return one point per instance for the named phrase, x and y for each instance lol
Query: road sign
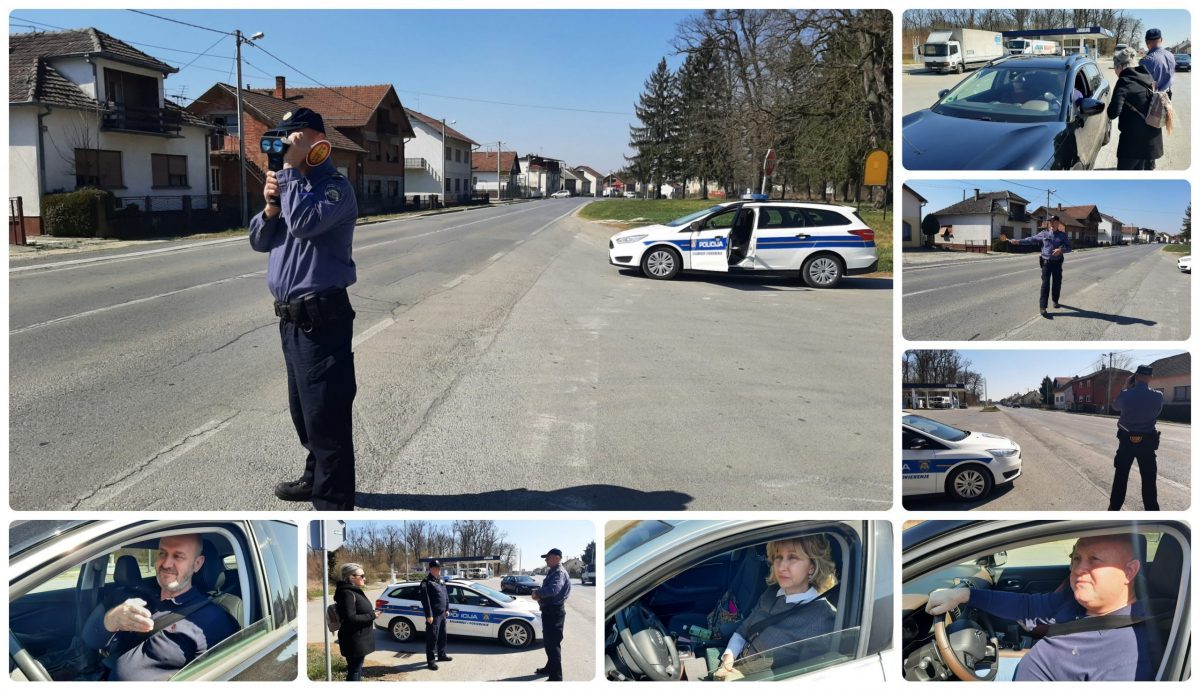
(875, 172)
(326, 534)
(769, 163)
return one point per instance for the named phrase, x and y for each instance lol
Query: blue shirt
(555, 589)
(1160, 63)
(1050, 240)
(310, 240)
(1139, 407)
(1119, 654)
(159, 656)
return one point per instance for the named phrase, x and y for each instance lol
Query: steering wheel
(644, 638)
(964, 649)
(19, 657)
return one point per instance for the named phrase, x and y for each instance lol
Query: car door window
(780, 218)
(720, 221)
(820, 217)
(1094, 78)
(276, 540)
(915, 441)
(67, 579)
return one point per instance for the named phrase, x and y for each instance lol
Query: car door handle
(803, 236)
(1010, 584)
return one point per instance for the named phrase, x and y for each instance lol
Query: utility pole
(499, 148)
(239, 40)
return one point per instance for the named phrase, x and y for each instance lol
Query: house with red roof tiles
(440, 160)
(487, 167)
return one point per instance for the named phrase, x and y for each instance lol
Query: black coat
(356, 637)
(435, 601)
(1131, 101)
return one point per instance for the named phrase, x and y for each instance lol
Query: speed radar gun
(276, 142)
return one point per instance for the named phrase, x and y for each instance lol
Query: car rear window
(824, 216)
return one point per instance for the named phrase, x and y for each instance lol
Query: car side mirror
(1090, 106)
(942, 93)
(918, 443)
(693, 226)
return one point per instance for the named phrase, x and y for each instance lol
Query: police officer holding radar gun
(435, 603)
(1055, 243)
(308, 227)
(552, 599)
(1137, 439)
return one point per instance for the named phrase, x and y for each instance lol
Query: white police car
(820, 241)
(966, 465)
(475, 610)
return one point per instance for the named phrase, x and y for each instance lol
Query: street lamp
(241, 125)
(444, 157)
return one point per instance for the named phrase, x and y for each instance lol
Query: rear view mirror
(942, 93)
(1090, 106)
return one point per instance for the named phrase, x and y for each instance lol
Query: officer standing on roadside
(552, 599)
(1055, 242)
(1159, 62)
(308, 228)
(1137, 439)
(435, 603)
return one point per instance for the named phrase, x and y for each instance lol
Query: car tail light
(866, 235)
(380, 603)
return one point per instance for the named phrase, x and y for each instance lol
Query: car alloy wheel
(822, 271)
(401, 629)
(969, 484)
(661, 263)
(516, 634)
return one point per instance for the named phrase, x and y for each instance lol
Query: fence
(151, 216)
(16, 221)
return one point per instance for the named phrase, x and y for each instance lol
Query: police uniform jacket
(309, 242)
(1130, 102)
(1139, 407)
(356, 637)
(157, 657)
(555, 589)
(434, 599)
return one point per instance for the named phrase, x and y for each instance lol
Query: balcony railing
(415, 163)
(136, 119)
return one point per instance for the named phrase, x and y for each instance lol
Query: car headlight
(1003, 452)
(630, 238)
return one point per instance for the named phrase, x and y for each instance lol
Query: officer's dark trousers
(321, 389)
(1051, 274)
(553, 618)
(435, 638)
(1136, 164)
(354, 666)
(1147, 460)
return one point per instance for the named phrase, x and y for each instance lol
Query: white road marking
(495, 256)
(141, 300)
(371, 332)
(78, 263)
(456, 282)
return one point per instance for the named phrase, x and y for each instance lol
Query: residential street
(477, 659)
(1109, 293)
(1067, 461)
(502, 364)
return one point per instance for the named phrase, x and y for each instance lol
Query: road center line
(79, 263)
(141, 300)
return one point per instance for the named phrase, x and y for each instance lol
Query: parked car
(475, 611)
(588, 577)
(561, 194)
(63, 572)
(1185, 263)
(1183, 62)
(517, 584)
(1032, 557)
(819, 242)
(664, 577)
(630, 195)
(1022, 112)
(966, 465)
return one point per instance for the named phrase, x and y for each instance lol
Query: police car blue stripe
(941, 465)
(806, 244)
(461, 615)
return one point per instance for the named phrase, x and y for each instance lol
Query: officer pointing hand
(131, 615)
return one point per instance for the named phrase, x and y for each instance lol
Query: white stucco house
(593, 182)
(973, 223)
(911, 204)
(539, 176)
(485, 168)
(87, 109)
(437, 160)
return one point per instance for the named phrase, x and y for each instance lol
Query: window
(457, 154)
(227, 120)
(214, 180)
(1182, 394)
(456, 181)
(169, 171)
(721, 220)
(277, 544)
(820, 216)
(780, 217)
(393, 188)
(907, 231)
(447, 153)
(98, 168)
(373, 150)
(393, 153)
(374, 187)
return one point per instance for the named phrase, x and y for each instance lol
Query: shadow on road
(1101, 316)
(586, 497)
(769, 283)
(943, 502)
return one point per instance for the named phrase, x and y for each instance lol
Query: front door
(918, 465)
(710, 242)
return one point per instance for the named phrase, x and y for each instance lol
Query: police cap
(435, 564)
(301, 118)
(552, 552)
(1153, 35)
(1145, 370)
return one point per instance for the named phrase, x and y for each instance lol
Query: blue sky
(1019, 371)
(536, 59)
(533, 537)
(1157, 204)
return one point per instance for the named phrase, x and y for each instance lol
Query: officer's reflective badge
(924, 467)
(332, 195)
(287, 116)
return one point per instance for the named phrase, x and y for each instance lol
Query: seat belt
(159, 625)
(1109, 622)
(754, 630)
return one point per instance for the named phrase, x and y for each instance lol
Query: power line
(297, 71)
(214, 45)
(176, 21)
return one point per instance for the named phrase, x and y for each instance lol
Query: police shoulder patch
(332, 195)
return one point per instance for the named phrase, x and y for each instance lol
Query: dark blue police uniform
(138, 656)
(1051, 265)
(435, 603)
(1137, 439)
(552, 599)
(308, 270)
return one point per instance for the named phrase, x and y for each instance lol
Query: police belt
(1137, 437)
(316, 308)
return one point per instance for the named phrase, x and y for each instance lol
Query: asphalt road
(1067, 461)
(1109, 293)
(502, 364)
(477, 659)
(921, 87)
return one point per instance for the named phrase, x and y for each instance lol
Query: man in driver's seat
(152, 640)
(1101, 584)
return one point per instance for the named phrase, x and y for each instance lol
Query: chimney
(977, 193)
(281, 88)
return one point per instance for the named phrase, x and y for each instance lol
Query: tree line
(815, 85)
(1125, 28)
(940, 366)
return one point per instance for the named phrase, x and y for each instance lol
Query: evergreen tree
(1185, 232)
(656, 141)
(703, 105)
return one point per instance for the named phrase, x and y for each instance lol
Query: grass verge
(1178, 248)
(316, 663)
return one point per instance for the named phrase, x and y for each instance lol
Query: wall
(23, 157)
(911, 213)
(975, 227)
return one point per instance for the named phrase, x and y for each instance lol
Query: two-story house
(975, 222)
(1173, 378)
(910, 217)
(1096, 391)
(540, 176)
(487, 167)
(260, 112)
(1082, 222)
(593, 182)
(87, 109)
(439, 162)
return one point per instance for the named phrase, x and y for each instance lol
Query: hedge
(85, 212)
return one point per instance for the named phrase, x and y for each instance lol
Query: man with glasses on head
(552, 599)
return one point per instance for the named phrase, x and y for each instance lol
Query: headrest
(212, 570)
(127, 572)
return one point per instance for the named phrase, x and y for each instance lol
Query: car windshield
(934, 50)
(630, 535)
(1007, 94)
(692, 216)
(929, 426)
(498, 596)
(26, 534)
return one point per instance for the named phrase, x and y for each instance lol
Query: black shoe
(1056, 306)
(1045, 314)
(542, 671)
(294, 491)
(432, 666)
(445, 658)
